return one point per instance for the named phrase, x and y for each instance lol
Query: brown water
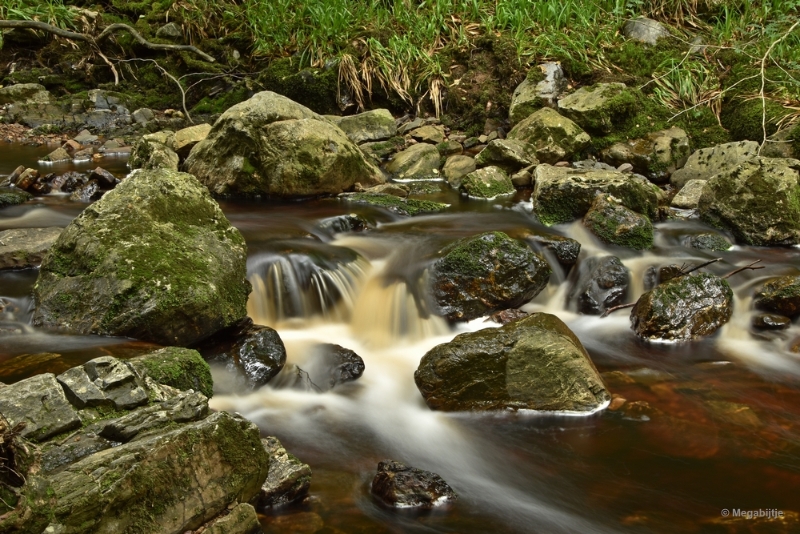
(720, 430)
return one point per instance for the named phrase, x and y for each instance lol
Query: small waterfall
(298, 280)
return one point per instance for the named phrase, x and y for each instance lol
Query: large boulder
(562, 195)
(508, 154)
(535, 363)
(270, 145)
(597, 108)
(541, 87)
(155, 259)
(780, 295)
(24, 93)
(683, 308)
(553, 136)
(758, 201)
(400, 486)
(176, 367)
(706, 162)
(168, 483)
(599, 283)
(23, 248)
(655, 156)
(417, 162)
(484, 273)
(615, 224)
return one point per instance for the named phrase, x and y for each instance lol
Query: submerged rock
(601, 284)
(535, 363)
(707, 241)
(288, 479)
(757, 201)
(683, 308)
(771, 321)
(615, 224)
(400, 486)
(562, 195)
(270, 145)
(254, 353)
(484, 273)
(155, 259)
(401, 206)
(24, 248)
(553, 136)
(334, 365)
(780, 295)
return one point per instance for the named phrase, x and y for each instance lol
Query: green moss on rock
(180, 368)
(402, 206)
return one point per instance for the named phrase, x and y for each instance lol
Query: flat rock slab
(24, 248)
(40, 403)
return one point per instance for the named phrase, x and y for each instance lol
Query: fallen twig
(696, 267)
(619, 307)
(748, 267)
(171, 77)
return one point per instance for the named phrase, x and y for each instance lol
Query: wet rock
(450, 148)
(644, 30)
(417, 162)
(293, 377)
(219, 460)
(487, 183)
(39, 402)
(706, 162)
(683, 308)
(708, 241)
(334, 365)
(654, 276)
(176, 367)
(24, 93)
(104, 381)
(242, 519)
(270, 145)
(373, 125)
(59, 154)
(400, 486)
(508, 154)
(72, 449)
(25, 247)
(342, 224)
(533, 92)
(185, 140)
(780, 295)
(70, 181)
(71, 146)
(143, 115)
(615, 224)
(535, 363)
(105, 179)
(689, 196)
(508, 316)
(597, 108)
(655, 156)
(769, 321)
(12, 197)
(456, 167)
(123, 268)
(401, 206)
(562, 194)
(87, 192)
(254, 353)
(392, 188)
(487, 272)
(151, 154)
(756, 201)
(565, 249)
(288, 479)
(553, 136)
(600, 283)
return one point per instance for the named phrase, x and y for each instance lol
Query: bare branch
(153, 46)
(620, 307)
(170, 76)
(696, 267)
(748, 267)
(36, 25)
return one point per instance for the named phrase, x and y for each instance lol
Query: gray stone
(85, 137)
(184, 140)
(597, 108)
(170, 31)
(417, 162)
(39, 402)
(553, 136)
(530, 95)
(79, 388)
(509, 154)
(535, 363)
(24, 248)
(116, 381)
(373, 125)
(655, 156)
(644, 30)
(689, 195)
(185, 407)
(56, 155)
(757, 201)
(429, 134)
(411, 125)
(288, 479)
(706, 162)
(143, 115)
(487, 183)
(456, 167)
(523, 177)
(242, 519)
(24, 93)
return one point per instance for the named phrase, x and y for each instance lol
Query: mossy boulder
(598, 108)
(683, 308)
(706, 162)
(541, 87)
(180, 368)
(707, 241)
(562, 195)
(13, 196)
(154, 259)
(758, 201)
(655, 156)
(373, 125)
(484, 273)
(456, 168)
(598, 284)
(417, 162)
(553, 136)
(535, 363)
(780, 295)
(487, 183)
(508, 154)
(270, 145)
(24, 93)
(152, 152)
(399, 205)
(615, 224)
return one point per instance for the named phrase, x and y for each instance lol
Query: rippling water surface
(722, 430)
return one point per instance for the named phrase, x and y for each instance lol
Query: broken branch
(748, 267)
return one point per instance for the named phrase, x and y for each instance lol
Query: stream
(721, 430)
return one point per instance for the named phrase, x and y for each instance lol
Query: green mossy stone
(402, 206)
(781, 295)
(487, 183)
(177, 367)
(12, 197)
(617, 225)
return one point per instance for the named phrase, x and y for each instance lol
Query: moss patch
(180, 368)
(403, 206)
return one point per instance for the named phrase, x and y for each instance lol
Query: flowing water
(722, 430)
